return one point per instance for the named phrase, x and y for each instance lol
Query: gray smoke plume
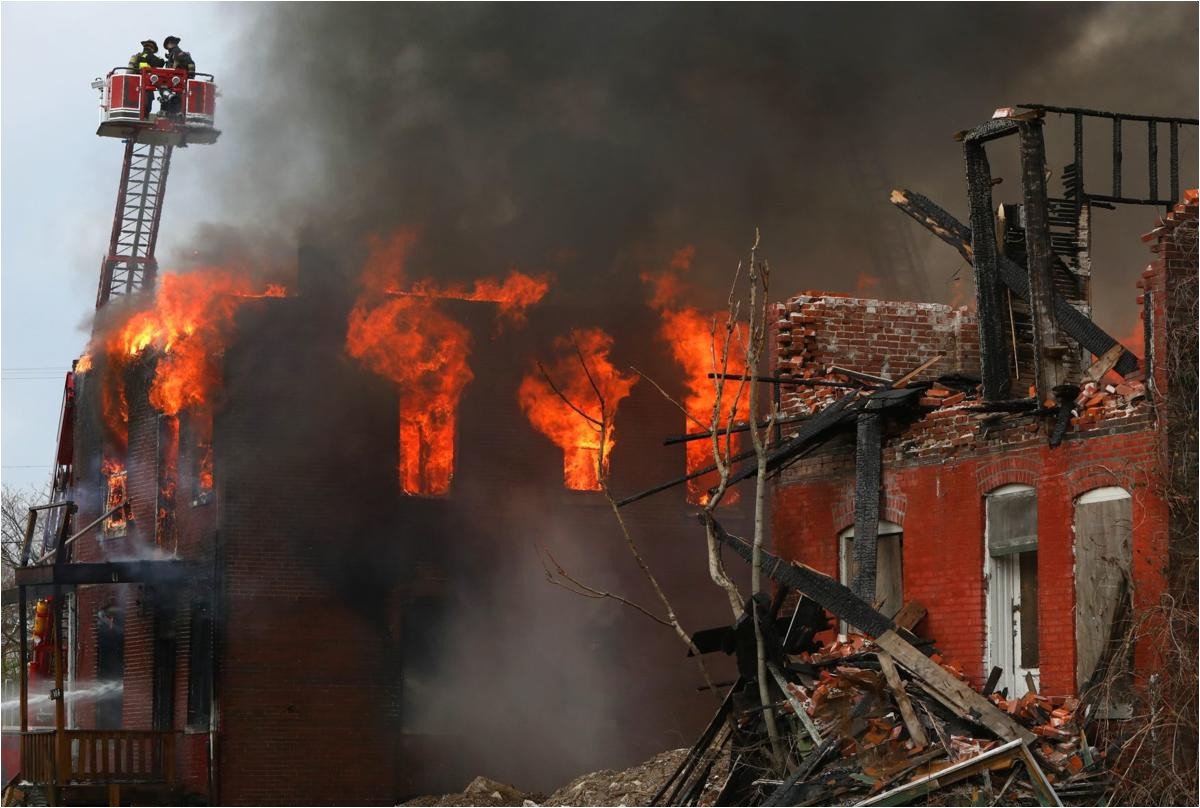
(595, 140)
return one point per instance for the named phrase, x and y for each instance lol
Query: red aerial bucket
(124, 96)
(200, 100)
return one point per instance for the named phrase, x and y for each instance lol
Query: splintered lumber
(1079, 326)
(908, 617)
(956, 695)
(1041, 786)
(915, 730)
(903, 794)
(801, 713)
(1103, 365)
(845, 605)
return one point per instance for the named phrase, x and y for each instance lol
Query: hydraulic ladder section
(130, 265)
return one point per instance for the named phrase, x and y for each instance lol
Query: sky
(58, 185)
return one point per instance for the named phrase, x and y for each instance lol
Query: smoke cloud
(593, 141)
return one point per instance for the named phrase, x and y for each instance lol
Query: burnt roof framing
(1078, 325)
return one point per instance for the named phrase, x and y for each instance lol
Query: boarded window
(1012, 522)
(1103, 549)
(889, 566)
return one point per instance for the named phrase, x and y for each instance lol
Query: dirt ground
(633, 786)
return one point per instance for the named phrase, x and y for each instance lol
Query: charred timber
(740, 426)
(993, 349)
(1039, 259)
(868, 477)
(787, 380)
(1079, 326)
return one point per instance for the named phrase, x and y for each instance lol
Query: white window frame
(1002, 607)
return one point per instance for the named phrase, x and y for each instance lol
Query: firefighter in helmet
(146, 57)
(177, 59)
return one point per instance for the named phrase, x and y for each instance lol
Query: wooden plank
(1104, 364)
(907, 378)
(801, 713)
(1041, 786)
(907, 792)
(989, 687)
(950, 691)
(915, 730)
(911, 614)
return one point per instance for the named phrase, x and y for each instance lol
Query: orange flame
(187, 324)
(514, 294)
(693, 343)
(84, 364)
(115, 478)
(583, 363)
(409, 341)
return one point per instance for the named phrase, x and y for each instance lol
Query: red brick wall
(940, 507)
(938, 469)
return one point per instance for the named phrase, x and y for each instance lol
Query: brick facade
(940, 465)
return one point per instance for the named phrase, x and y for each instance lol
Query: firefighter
(177, 59)
(146, 57)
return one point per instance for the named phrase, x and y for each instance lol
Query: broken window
(1011, 570)
(117, 523)
(1103, 553)
(889, 567)
(198, 438)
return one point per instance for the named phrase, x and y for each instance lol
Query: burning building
(284, 500)
(1024, 497)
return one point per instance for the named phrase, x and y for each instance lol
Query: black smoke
(595, 140)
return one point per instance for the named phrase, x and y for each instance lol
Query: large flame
(694, 344)
(513, 295)
(583, 428)
(187, 325)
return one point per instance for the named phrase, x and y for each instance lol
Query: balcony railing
(99, 756)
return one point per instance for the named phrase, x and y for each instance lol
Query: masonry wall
(940, 464)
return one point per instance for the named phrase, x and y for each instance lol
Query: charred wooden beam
(935, 220)
(1078, 325)
(787, 380)
(681, 480)
(844, 604)
(989, 301)
(813, 430)
(740, 426)
(1039, 260)
(868, 476)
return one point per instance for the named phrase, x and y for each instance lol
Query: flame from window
(582, 428)
(694, 343)
(399, 333)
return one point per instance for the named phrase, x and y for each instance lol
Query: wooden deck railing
(101, 756)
